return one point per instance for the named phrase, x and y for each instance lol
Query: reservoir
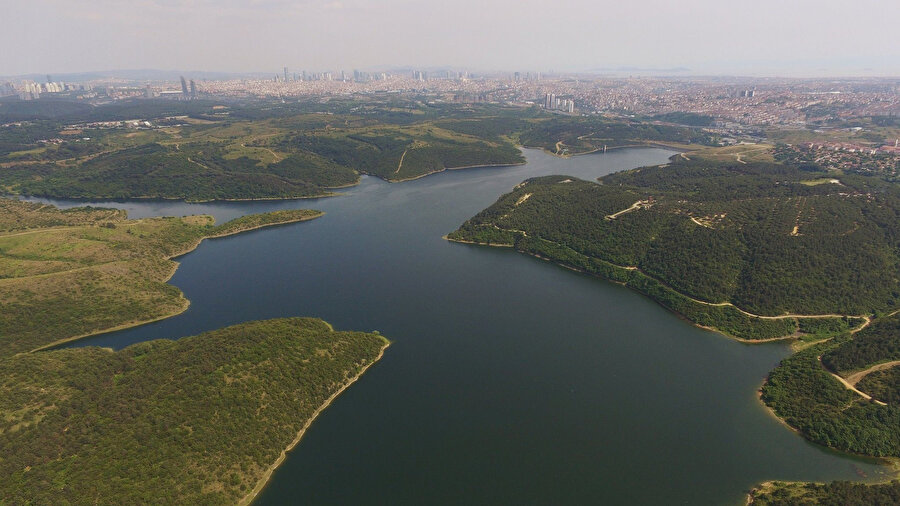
(510, 380)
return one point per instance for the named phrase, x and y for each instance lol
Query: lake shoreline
(185, 301)
(264, 480)
(420, 176)
(598, 276)
(375, 263)
(463, 241)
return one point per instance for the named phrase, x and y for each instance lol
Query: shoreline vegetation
(186, 302)
(774, 492)
(625, 270)
(737, 244)
(264, 480)
(233, 402)
(438, 171)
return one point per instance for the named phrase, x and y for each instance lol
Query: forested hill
(718, 243)
(195, 421)
(270, 150)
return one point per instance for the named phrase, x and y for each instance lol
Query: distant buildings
(188, 90)
(554, 103)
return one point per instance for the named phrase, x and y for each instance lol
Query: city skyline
(702, 37)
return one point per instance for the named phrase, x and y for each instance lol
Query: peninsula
(200, 420)
(749, 248)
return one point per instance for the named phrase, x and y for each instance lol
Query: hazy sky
(772, 37)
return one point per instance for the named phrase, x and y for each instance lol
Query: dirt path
(637, 205)
(854, 378)
(400, 165)
(38, 231)
(779, 317)
(195, 162)
(849, 385)
(522, 199)
(275, 156)
(751, 151)
(698, 223)
(61, 161)
(865, 318)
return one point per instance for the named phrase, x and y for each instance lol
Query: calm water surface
(510, 380)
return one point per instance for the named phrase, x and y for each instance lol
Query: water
(510, 380)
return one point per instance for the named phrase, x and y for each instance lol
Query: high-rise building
(184, 87)
(547, 101)
(193, 89)
(285, 74)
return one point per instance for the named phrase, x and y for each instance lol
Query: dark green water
(510, 380)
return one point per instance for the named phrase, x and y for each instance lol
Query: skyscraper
(285, 74)
(184, 88)
(193, 89)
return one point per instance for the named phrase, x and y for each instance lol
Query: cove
(510, 380)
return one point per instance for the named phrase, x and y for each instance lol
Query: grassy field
(65, 274)
(740, 153)
(870, 135)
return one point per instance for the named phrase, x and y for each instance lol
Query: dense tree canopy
(193, 421)
(752, 235)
